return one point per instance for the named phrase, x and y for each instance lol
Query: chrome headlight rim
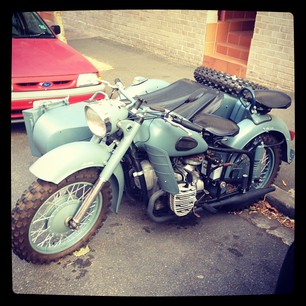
(98, 125)
(103, 116)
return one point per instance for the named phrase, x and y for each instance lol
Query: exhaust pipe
(246, 198)
(241, 198)
(150, 209)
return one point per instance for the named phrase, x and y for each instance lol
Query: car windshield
(29, 25)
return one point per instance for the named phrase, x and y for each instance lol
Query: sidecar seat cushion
(217, 125)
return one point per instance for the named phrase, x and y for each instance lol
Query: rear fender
(249, 130)
(62, 161)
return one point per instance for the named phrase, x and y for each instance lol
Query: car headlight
(87, 79)
(102, 117)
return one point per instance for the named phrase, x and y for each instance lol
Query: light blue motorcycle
(177, 148)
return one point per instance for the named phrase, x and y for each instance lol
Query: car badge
(46, 84)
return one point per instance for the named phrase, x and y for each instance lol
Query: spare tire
(224, 82)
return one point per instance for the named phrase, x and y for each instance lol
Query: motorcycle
(209, 143)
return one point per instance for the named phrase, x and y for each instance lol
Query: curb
(283, 201)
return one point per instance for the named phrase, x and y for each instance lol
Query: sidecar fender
(64, 160)
(250, 130)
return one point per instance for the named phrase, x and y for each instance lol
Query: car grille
(31, 86)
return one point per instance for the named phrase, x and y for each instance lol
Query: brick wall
(271, 58)
(179, 35)
(176, 34)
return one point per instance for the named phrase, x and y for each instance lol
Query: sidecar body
(50, 126)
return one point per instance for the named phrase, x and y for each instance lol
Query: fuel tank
(171, 139)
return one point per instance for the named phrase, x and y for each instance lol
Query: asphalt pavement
(115, 60)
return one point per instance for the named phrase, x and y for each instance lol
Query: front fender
(249, 130)
(62, 161)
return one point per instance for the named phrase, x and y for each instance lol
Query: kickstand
(195, 213)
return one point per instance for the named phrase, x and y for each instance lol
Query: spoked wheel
(269, 166)
(40, 231)
(270, 163)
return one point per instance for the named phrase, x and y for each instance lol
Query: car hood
(41, 57)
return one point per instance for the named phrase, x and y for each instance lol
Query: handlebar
(252, 101)
(121, 89)
(137, 105)
(118, 83)
(139, 102)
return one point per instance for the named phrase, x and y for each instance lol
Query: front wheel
(40, 232)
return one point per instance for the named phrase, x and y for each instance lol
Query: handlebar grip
(139, 102)
(137, 105)
(188, 125)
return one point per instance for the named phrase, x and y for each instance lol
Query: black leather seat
(272, 98)
(217, 125)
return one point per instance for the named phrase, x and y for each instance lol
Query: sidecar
(55, 123)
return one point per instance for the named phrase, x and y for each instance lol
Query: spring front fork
(130, 129)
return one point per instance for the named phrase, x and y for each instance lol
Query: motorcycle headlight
(102, 117)
(87, 79)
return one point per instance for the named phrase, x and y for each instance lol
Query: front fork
(129, 129)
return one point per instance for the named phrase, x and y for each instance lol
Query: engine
(195, 175)
(187, 173)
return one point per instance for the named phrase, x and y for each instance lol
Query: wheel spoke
(266, 168)
(46, 241)
(42, 218)
(74, 191)
(49, 230)
(35, 234)
(266, 161)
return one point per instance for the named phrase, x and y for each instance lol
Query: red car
(44, 67)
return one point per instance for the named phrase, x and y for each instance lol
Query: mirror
(56, 29)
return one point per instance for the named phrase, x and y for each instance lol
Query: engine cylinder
(149, 175)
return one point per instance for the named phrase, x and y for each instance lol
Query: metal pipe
(150, 208)
(247, 197)
(76, 219)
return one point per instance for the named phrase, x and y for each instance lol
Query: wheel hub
(57, 223)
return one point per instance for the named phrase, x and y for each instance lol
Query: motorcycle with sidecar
(209, 143)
